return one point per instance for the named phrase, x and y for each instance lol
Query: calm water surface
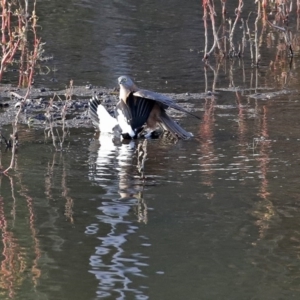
(215, 217)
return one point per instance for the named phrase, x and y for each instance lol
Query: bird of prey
(137, 108)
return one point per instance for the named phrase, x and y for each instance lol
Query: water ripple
(114, 267)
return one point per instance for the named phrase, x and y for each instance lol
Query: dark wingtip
(93, 106)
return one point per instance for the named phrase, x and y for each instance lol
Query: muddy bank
(35, 107)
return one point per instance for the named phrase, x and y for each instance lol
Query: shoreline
(38, 102)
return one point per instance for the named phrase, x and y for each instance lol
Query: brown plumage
(137, 107)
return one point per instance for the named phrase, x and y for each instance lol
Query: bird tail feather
(175, 129)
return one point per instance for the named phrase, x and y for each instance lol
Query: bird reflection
(121, 164)
(118, 168)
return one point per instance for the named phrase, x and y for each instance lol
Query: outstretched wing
(164, 100)
(136, 110)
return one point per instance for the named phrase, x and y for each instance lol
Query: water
(214, 217)
(159, 43)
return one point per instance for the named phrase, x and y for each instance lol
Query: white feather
(125, 127)
(107, 123)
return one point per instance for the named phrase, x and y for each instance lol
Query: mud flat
(35, 107)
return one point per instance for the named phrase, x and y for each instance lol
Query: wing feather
(137, 110)
(164, 100)
(93, 106)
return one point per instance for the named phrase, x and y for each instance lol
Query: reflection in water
(114, 172)
(20, 256)
(240, 167)
(264, 151)
(208, 157)
(265, 208)
(50, 183)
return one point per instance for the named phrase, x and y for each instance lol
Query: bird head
(126, 82)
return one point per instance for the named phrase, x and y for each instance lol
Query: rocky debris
(35, 106)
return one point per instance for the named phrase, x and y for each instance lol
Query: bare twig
(238, 11)
(51, 119)
(286, 37)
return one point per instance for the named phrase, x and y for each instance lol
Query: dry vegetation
(22, 47)
(234, 34)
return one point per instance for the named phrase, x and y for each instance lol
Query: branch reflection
(20, 244)
(206, 148)
(58, 171)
